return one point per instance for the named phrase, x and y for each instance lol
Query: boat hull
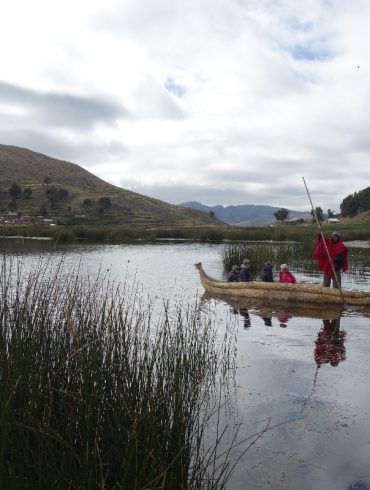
(287, 293)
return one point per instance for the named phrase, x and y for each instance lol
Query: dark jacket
(245, 274)
(233, 276)
(267, 275)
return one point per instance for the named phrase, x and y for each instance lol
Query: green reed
(297, 255)
(95, 394)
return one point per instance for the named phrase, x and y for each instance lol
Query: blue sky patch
(174, 88)
(301, 52)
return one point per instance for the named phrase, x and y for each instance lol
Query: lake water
(304, 376)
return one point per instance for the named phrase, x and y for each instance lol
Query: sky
(217, 101)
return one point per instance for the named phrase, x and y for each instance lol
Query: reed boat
(303, 293)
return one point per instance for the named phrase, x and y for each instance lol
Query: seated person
(267, 275)
(285, 275)
(234, 274)
(245, 272)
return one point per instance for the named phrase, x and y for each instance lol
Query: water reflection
(269, 309)
(247, 320)
(329, 345)
(328, 446)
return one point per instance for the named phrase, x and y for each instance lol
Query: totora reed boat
(303, 293)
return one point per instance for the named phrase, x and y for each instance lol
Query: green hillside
(68, 193)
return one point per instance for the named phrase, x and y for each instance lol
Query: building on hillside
(331, 221)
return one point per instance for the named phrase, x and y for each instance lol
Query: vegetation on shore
(96, 394)
(127, 234)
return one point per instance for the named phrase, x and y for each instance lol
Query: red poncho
(286, 276)
(329, 345)
(321, 256)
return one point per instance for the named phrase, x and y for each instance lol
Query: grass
(95, 394)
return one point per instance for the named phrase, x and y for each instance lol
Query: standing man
(338, 253)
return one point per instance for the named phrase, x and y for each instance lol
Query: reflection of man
(329, 346)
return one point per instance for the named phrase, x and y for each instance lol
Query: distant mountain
(243, 215)
(32, 183)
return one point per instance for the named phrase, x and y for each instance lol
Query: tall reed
(297, 255)
(95, 394)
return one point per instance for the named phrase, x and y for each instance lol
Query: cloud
(221, 102)
(82, 150)
(60, 110)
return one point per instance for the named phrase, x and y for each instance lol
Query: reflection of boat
(302, 293)
(268, 307)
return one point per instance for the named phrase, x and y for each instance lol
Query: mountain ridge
(243, 214)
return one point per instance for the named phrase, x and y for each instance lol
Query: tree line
(283, 213)
(55, 196)
(356, 203)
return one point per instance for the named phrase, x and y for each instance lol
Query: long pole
(323, 240)
(4, 263)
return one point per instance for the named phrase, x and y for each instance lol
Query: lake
(301, 377)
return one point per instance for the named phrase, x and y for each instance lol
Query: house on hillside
(331, 221)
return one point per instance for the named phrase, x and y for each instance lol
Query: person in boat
(338, 259)
(245, 271)
(234, 274)
(285, 275)
(267, 274)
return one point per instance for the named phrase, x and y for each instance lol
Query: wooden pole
(323, 240)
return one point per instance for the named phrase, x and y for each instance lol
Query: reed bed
(120, 233)
(297, 255)
(95, 394)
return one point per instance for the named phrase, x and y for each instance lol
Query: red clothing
(286, 276)
(329, 345)
(336, 249)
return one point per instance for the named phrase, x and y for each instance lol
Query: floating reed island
(302, 292)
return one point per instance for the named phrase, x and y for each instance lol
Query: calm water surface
(304, 376)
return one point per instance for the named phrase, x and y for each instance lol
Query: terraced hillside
(34, 184)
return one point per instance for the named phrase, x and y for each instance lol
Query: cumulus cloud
(224, 102)
(59, 110)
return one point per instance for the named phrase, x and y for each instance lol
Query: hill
(243, 215)
(362, 218)
(32, 183)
